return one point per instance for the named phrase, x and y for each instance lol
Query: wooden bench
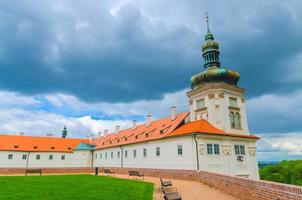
(33, 171)
(135, 173)
(171, 194)
(166, 183)
(108, 172)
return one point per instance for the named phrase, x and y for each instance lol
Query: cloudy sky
(95, 64)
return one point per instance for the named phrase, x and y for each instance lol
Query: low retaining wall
(241, 188)
(60, 170)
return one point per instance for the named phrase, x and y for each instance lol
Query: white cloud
(29, 114)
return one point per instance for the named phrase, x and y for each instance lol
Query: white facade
(22, 159)
(225, 162)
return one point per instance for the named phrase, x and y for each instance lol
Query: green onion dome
(215, 74)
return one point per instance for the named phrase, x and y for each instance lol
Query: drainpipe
(92, 158)
(196, 147)
(122, 154)
(27, 159)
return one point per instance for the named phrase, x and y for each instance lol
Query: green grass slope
(73, 187)
(289, 172)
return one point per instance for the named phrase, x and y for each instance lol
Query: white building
(30, 152)
(212, 136)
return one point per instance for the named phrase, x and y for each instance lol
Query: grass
(73, 187)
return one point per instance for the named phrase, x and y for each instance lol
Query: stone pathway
(190, 190)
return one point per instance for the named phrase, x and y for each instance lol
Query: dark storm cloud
(100, 51)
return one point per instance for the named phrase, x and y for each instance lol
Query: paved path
(190, 190)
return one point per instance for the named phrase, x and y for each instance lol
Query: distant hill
(262, 164)
(289, 172)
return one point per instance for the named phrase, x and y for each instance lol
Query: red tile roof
(162, 128)
(156, 130)
(39, 144)
(204, 127)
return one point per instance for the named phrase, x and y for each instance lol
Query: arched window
(237, 121)
(232, 119)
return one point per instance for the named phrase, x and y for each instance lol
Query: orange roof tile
(156, 130)
(203, 126)
(39, 144)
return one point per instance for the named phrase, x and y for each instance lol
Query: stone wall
(241, 188)
(18, 171)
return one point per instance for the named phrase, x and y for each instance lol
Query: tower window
(233, 102)
(237, 121)
(232, 119)
(200, 104)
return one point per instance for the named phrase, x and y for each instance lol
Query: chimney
(117, 128)
(149, 119)
(105, 132)
(99, 134)
(173, 112)
(49, 135)
(21, 133)
(133, 124)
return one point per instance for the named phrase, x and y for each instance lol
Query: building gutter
(27, 159)
(122, 155)
(196, 147)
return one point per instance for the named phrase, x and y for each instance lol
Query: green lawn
(73, 187)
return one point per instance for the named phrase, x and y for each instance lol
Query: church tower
(214, 94)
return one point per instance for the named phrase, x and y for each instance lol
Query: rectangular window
(106, 155)
(38, 157)
(96, 156)
(24, 157)
(101, 155)
(210, 148)
(233, 102)
(216, 149)
(62, 157)
(200, 104)
(111, 154)
(239, 150)
(179, 149)
(134, 153)
(145, 152)
(118, 154)
(50, 157)
(126, 154)
(157, 151)
(10, 156)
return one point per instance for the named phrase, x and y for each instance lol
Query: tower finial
(207, 20)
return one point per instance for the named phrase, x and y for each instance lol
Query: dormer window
(69, 148)
(35, 147)
(52, 147)
(16, 146)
